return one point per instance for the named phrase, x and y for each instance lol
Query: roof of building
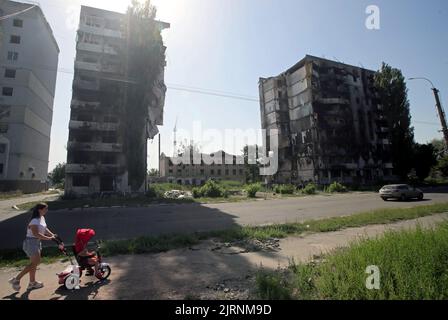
(37, 8)
(309, 58)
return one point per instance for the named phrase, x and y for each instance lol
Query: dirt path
(210, 270)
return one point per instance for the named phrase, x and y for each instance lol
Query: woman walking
(37, 230)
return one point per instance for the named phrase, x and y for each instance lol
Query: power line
(427, 123)
(17, 13)
(176, 87)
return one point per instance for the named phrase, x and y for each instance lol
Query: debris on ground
(247, 245)
(177, 194)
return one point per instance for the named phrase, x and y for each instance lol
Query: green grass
(17, 258)
(413, 265)
(168, 242)
(10, 195)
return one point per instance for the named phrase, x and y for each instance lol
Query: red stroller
(70, 277)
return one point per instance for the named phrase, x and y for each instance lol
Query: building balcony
(90, 66)
(95, 146)
(87, 85)
(97, 67)
(77, 104)
(111, 68)
(333, 101)
(72, 168)
(93, 126)
(101, 31)
(383, 130)
(97, 48)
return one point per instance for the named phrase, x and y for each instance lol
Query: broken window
(110, 138)
(81, 180)
(108, 159)
(110, 119)
(85, 117)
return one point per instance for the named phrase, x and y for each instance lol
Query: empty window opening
(81, 180)
(18, 23)
(14, 39)
(7, 91)
(107, 184)
(10, 73)
(13, 56)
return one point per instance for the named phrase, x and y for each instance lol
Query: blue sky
(227, 45)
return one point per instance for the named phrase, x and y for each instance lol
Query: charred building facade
(329, 122)
(96, 151)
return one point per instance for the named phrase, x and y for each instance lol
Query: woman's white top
(40, 223)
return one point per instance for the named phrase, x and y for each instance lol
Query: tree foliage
(392, 92)
(58, 174)
(424, 159)
(252, 169)
(145, 60)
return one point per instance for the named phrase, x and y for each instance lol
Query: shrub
(336, 187)
(197, 193)
(210, 189)
(153, 192)
(310, 188)
(285, 189)
(252, 189)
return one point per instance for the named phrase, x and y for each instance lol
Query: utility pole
(441, 115)
(440, 110)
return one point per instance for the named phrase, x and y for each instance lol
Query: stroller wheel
(71, 282)
(104, 272)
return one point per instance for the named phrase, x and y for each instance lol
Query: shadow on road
(120, 223)
(88, 290)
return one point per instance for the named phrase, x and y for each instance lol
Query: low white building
(197, 169)
(28, 68)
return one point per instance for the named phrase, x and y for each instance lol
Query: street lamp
(439, 109)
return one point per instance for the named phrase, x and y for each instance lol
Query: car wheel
(403, 197)
(420, 197)
(384, 198)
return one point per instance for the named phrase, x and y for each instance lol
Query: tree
(144, 65)
(439, 147)
(153, 173)
(251, 167)
(57, 176)
(424, 159)
(392, 92)
(443, 166)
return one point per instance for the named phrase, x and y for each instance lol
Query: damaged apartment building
(330, 124)
(97, 151)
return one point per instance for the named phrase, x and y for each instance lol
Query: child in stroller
(86, 259)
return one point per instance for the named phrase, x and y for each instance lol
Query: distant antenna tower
(175, 140)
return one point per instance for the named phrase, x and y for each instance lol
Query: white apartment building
(28, 69)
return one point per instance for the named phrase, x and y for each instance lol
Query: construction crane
(175, 139)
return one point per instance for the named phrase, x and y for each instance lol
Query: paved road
(121, 223)
(178, 274)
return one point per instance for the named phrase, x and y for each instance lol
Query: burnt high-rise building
(330, 124)
(96, 160)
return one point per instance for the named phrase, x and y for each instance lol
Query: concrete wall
(29, 121)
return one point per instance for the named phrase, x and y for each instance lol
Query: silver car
(400, 191)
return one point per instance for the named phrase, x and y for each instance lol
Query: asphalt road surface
(123, 223)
